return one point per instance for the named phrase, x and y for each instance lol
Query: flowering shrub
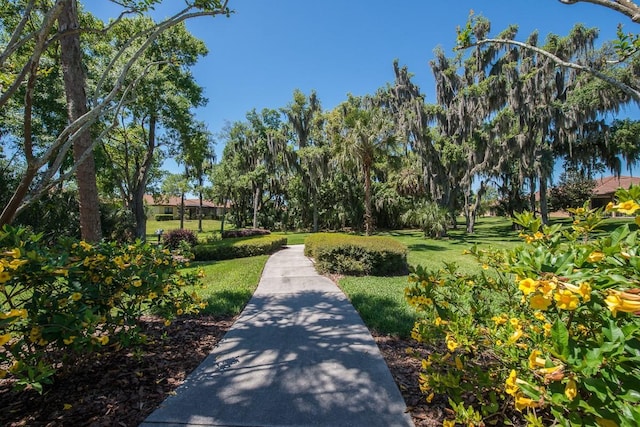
(550, 329)
(245, 232)
(174, 238)
(57, 303)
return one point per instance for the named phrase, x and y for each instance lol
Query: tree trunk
(532, 196)
(315, 213)
(200, 209)
(140, 187)
(368, 217)
(256, 197)
(182, 211)
(74, 85)
(544, 208)
(474, 212)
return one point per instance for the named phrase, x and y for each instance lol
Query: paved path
(298, 355)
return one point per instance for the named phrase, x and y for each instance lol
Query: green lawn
(228, 285)
(379, 300)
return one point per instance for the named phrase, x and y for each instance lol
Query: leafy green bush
(58, 303)
(164, 217)
(238, 247)
(356, 255)
(245, 232)
(174, 238)
(553, 332)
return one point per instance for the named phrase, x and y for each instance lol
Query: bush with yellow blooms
(550, 329)
(59, 303)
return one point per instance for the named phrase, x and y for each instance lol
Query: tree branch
(626, 7)
(633, 93)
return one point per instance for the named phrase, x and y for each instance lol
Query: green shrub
(174, 238)
(245, 232)
(238, 247)
(356, 255)
(58, 303)
(164, 217)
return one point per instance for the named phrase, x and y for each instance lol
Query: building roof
(175, 201)
(607, 186)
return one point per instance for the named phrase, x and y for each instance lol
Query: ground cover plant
(547, 332)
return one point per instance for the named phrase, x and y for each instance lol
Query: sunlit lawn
(228, 285)
(379, 300)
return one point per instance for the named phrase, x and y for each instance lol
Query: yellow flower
(5, 338)
(547, 287)
(430, 397)
(153, 295)
(585, 291)
(566, 300)
(76, 296)
(69, 340)
(86, 246)
(538, 315)
(137, 283)
(595, 256)
(535, 361)
(523, 402)
(180, 312)
(13, 253)
(514, 322)
(511, 384)
(547, 329)
(17, 263)
(571, 390)
(539, 302)
(449, 423)
(439, 321)
(4, 276)
(104, 340)
(15, 312)
(485, 267)
(528, 286)
(609, 207)
(459, 364)
(167, 322)
(499, 320)
(67, 406)
(451, 343)
(622, 301)
(515, 336)
(628, 207)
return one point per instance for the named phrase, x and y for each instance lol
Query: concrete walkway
(298, 355)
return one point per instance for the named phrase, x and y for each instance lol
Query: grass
(209, 226)
(228, 285)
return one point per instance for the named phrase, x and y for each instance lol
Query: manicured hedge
(245, 232)
(356, 255)
(239, 247)
(163, 217)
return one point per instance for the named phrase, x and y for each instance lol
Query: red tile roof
(608, 185)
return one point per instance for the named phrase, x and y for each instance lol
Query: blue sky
(266, 49)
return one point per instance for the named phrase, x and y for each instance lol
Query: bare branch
(626, 7)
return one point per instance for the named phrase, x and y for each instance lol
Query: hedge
(163, 217)
(239, 247)
(245, 232)
(356, 255)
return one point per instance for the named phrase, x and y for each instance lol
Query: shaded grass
(228, 285)
(293, 238)
(381, 304)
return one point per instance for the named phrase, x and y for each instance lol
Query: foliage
(356, 255)
(238, 247)
(163, 217)
(245, 232)
(60, 303)
(429, 217)
(572, 192)
(553, 329)
(174, 238)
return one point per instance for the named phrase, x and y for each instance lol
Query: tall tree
(362, 136)
(32, 34)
